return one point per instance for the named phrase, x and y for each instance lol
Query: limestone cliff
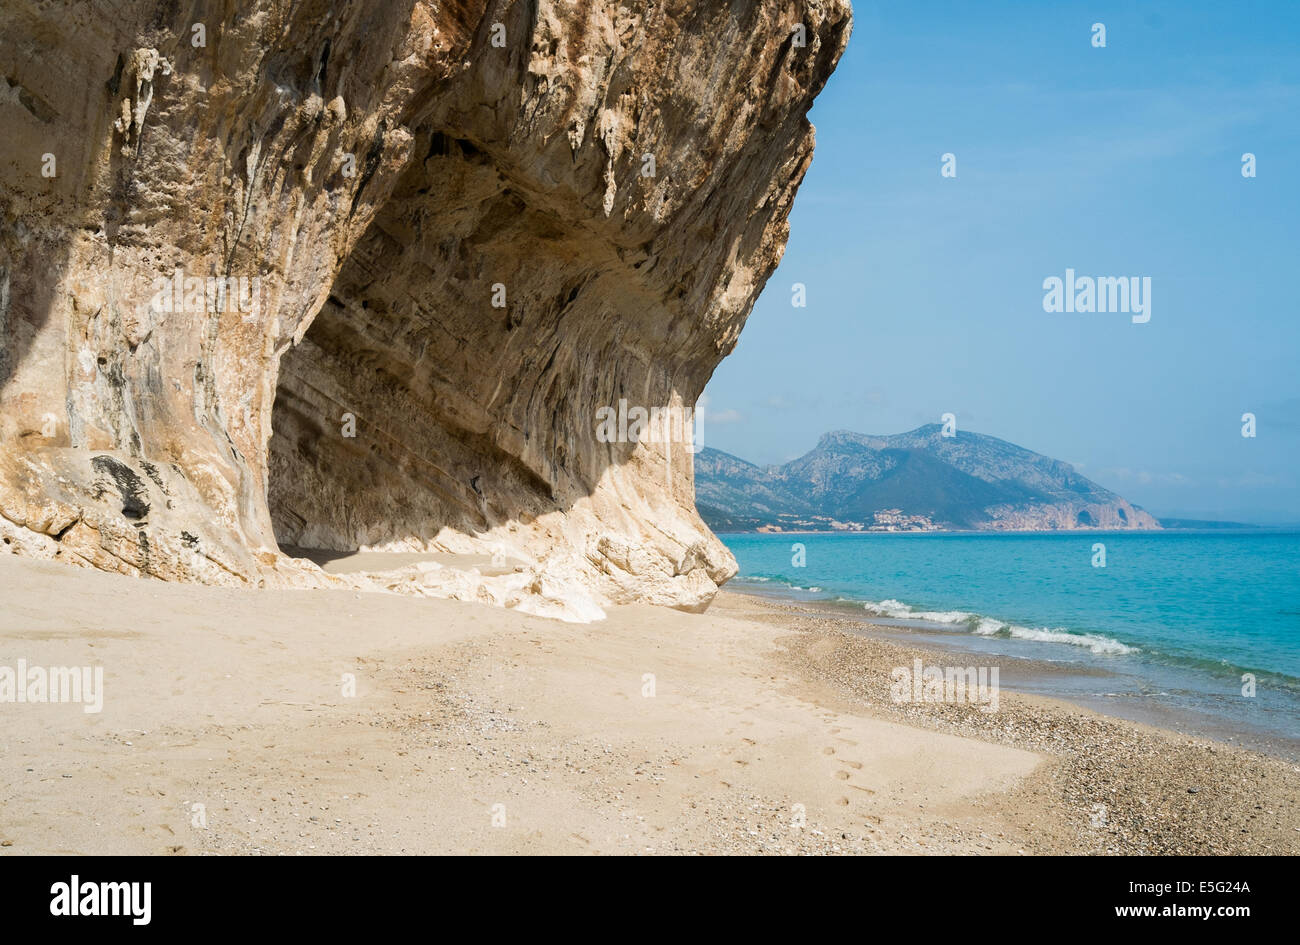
(360, 274)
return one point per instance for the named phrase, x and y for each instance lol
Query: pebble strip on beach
(1120, 787)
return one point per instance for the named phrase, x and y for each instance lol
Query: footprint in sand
(842, 775)
(828, 750)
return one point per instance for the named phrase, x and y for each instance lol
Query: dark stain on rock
(115, 82)
(130, 487)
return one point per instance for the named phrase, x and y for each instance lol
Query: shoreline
(748, 729)
(1149, 777)
(1066, 683)
(1241, 528)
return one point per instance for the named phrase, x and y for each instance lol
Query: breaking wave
(992, 627)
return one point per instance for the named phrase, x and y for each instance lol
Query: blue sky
(925, 294)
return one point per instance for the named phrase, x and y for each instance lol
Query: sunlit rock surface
(357, 275)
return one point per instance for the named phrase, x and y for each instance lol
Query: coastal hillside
(916, 481)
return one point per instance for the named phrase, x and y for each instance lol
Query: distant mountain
(917, 481)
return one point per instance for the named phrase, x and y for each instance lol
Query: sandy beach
(228, 727)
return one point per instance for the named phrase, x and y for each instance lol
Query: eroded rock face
(360, 275)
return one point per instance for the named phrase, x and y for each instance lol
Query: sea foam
(990, 626)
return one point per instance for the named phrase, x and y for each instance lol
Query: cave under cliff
(470, 226)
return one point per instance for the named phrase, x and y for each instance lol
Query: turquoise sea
(1170, 630)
